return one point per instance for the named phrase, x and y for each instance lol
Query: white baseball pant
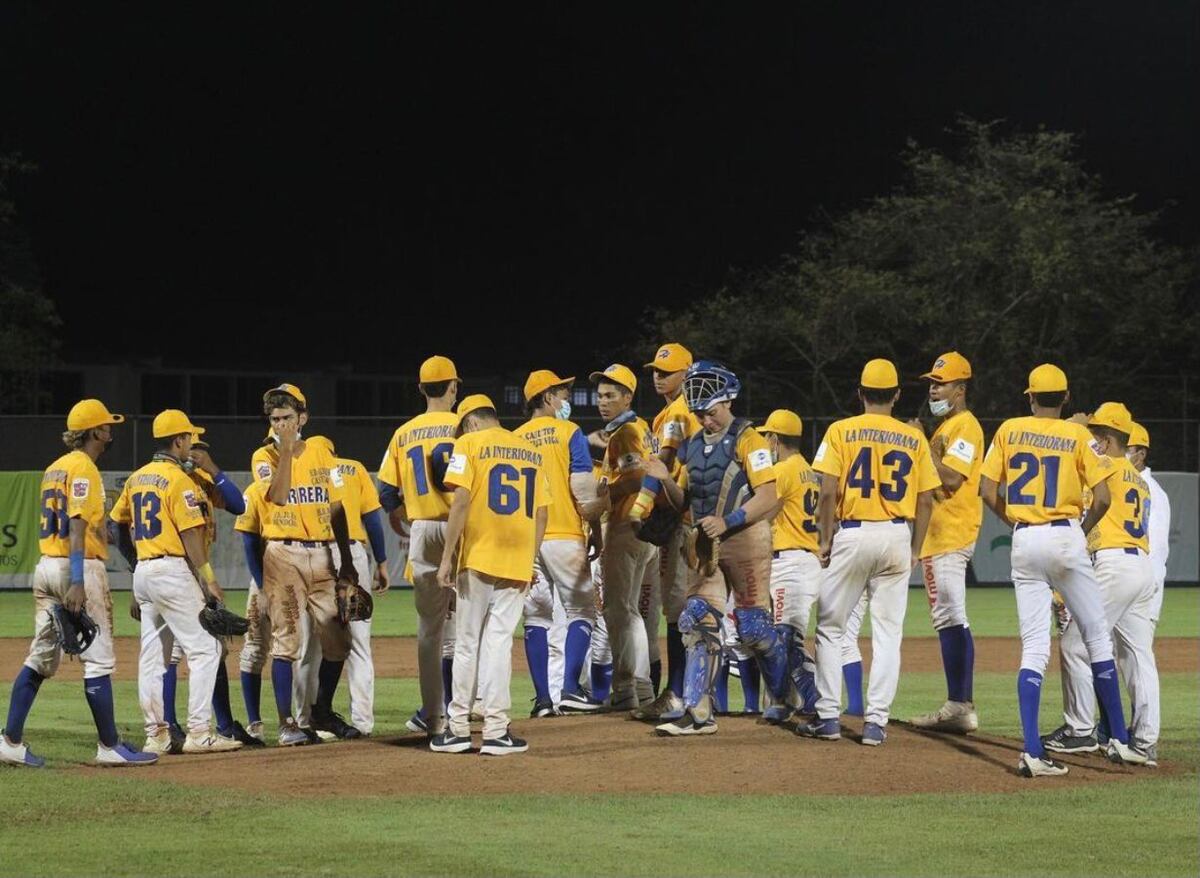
(945, 577)
(850, 650)
(795, 581)
(650, 605)
(872, 557)
(1127, 589)
(624, 564)
(51, 581)
(427, 543)
(170, 601)
(486, 616)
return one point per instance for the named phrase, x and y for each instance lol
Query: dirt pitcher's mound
(612, 754)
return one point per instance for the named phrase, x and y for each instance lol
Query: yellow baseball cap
(951, 366)
(472, 403)
(1138, 435)
(617, 374)
(671, 357)
(879, 375)
(437, 369)
(291, 390)
(541, 381)
(1047, 378)
(783, 422)
(197, 442)
(172, 422)
(1114, 415)
(90, 413)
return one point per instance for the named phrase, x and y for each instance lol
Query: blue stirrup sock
(170, 684)
(328, 675)
(222, 709)
(281, 683)
(957, 657)
(24, 691)
(537, 656)
(750, 679)
(852, 674)
(602, 675)
(1029, 695)
(655, 675)
(252, 696)
(1108, 694)
(100, 699)
(447, 680)
(721, 688)
(676, 659)
(575, 650)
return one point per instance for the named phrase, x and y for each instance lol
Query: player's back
(881, 463)
(1125, 524)
(72, 485)
(160, 501)
(798, 488)
(358, 495)
(1045, 463)
(552, 437)
(415, 462)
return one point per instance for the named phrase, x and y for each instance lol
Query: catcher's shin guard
(755, 630)
(801, 667)
(699, 625)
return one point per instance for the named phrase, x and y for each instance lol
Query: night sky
(367, 189)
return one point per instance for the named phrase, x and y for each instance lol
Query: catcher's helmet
(707, 383)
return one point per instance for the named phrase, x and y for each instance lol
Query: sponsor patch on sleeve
(820, 455)
(263, 471)
(189, 497)
(759, 460)
(335, 476)
(80, 489)
(457, 465)
(629, 461)
(963, 450)
(672, 430)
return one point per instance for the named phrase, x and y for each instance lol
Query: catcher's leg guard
(759, 635)
(700, 625)
(801, 667)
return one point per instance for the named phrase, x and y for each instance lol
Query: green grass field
(67, 822)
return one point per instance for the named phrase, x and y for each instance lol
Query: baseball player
(70, 573)
(411, 485)
(1044, 463)
(1119, 545)
(561, 566)
(497, 520)
(795, 568)
(304, 493)
(852, 662)
(728, 482)
(258, 638)
(625, 557)
(957, 452)
(668, 579)
(361, 502)
(172, 582)
(876, 476)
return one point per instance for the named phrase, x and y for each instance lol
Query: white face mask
(563, 412)
(940, 407)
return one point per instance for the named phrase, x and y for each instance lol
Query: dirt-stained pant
(51, 580)
(296, 578)
(743, 567)
(624, 564)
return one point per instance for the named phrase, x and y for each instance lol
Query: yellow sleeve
(121, 513)
(82, 488)
(927, 476)
(828, 458)
(389, 467)
(1094, 467)
(787, 482)
(184, 505)
(755, 457)
(249, 521)
(542, 494)
(459, 471)
(261, 465)
(993, 463)
(961, 450)
(626, 450)
(369, 496)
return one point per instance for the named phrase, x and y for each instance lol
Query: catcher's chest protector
(717, 484)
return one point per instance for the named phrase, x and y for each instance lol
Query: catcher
(178, 596)
(728, 481)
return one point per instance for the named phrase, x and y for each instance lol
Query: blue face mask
(563, 412)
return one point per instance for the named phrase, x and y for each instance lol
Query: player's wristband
(206, 573)
(642, 504)
(76, 558)
(735, 519)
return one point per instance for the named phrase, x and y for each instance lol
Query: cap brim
(199, 431)
(596, 377)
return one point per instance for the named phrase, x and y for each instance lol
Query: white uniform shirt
(1160, 526)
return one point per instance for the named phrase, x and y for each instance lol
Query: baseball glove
(354, 603)
(220, 622)
(702, 551)
(75, 631)
(658, 526)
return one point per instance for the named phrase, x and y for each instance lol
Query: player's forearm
(539, 527)
(341, 535)
(826, 509)
(76, 542)
(921, 524)
(374, 529)
(952, 480)
(456, 521)
(674, 494)
(990, 493)
(762, 504)
(281, 481)
(583, 490)
(193, 548)
(1101, 500)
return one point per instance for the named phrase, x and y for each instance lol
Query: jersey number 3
(146, 523)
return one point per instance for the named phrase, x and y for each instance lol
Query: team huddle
(717, 525)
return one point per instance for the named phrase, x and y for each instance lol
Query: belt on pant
(308, 544)
(1058, 522)
(851, 522)
(156, 557)
(776, 555)
(1126, 549)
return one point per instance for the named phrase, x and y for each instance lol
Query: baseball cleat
(178, 736)
(958, 717)
(777, 714)
(1123, 754)
(1039, 766)
(122, 755)
(333, 723)
(445, 742)
(684, 726)
(210, 743)
(291, 735)
(161, 743)
(18, 754)
(239, 733)
(1064, 740)
(623, 703)
(543, 709)
(417, 723)
(873, 734)
(822, 729)
(1150, 751)
(579, 702)
(255, 731)
(510, 743)
(667, 706)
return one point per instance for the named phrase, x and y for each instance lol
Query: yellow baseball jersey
(316, 484)
(628, 448)
(161, 501)
(955, 521)
(881, 465)
(414, 461)
(359, 496)
(673, 425)
(564, 451)
(505, 477)
(1045, 463)
(257, 509)
(753, 455)
(72, 488)
(1126, 523)
(795, 527)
